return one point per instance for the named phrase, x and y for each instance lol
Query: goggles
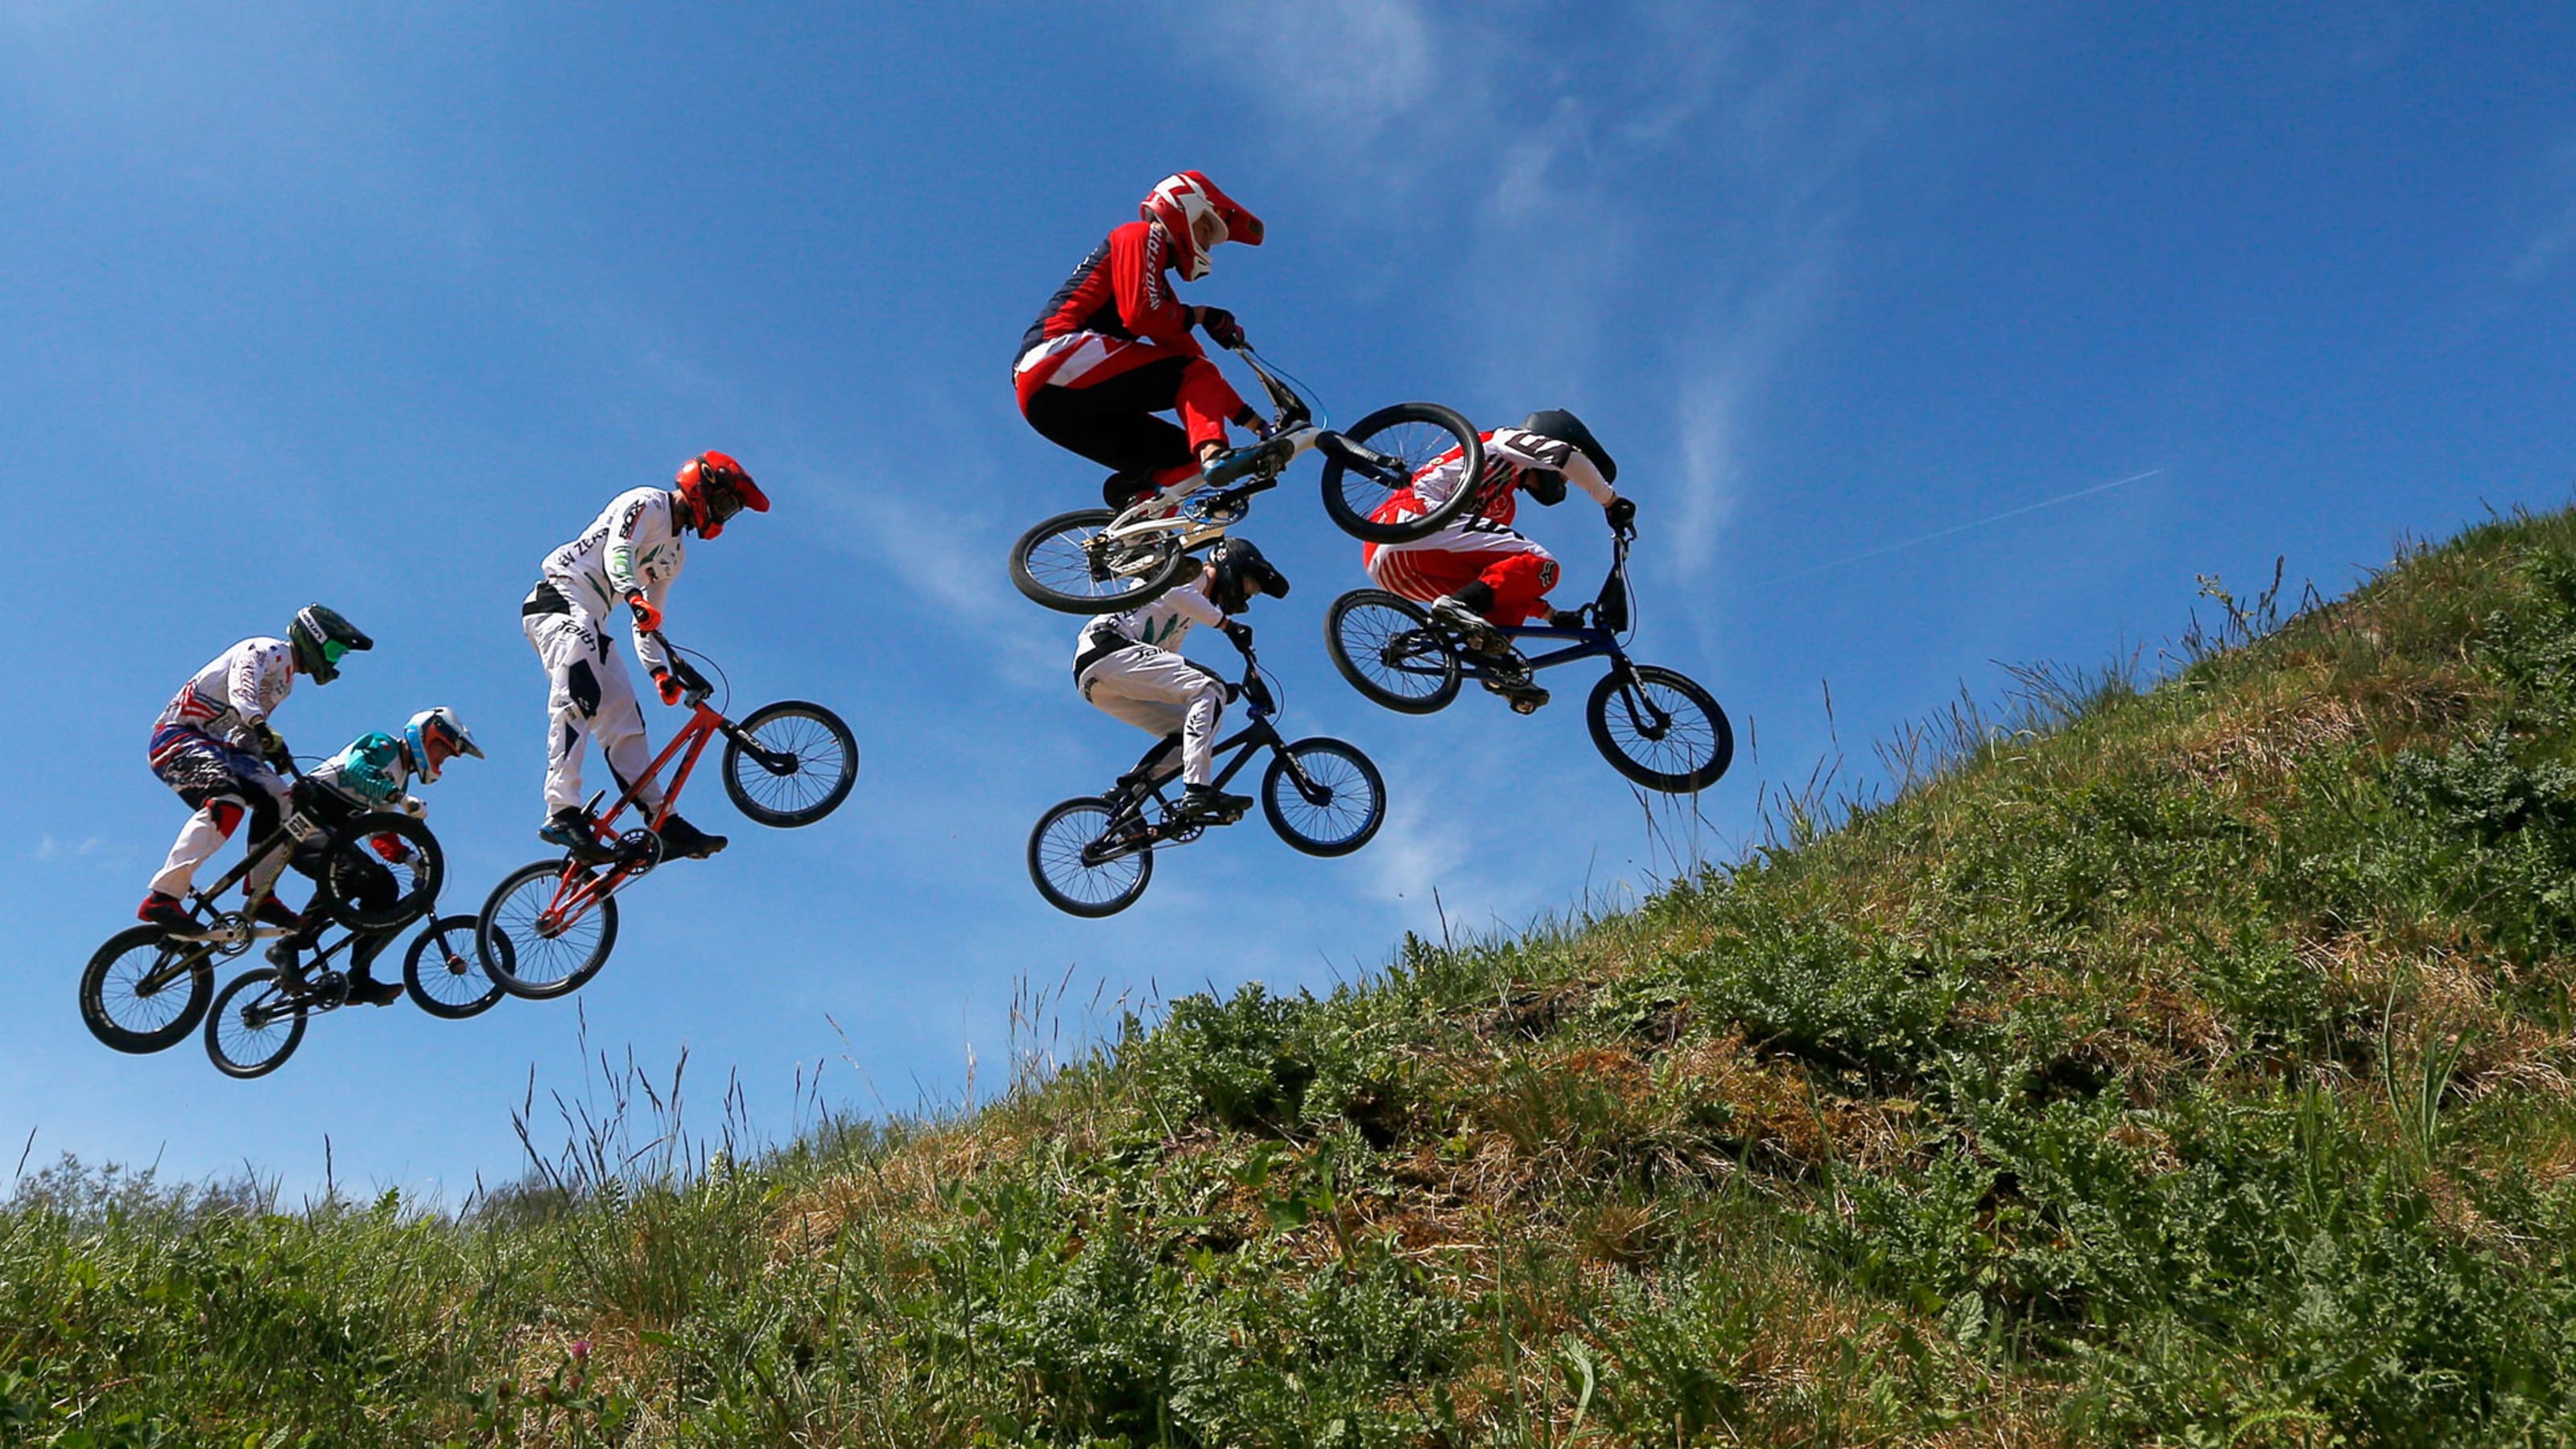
(722, 503)
(334, 650)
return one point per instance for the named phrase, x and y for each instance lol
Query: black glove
(1622, 511)
(1221, 328)
(1239, 632)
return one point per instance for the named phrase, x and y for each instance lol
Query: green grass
(2189, 1065)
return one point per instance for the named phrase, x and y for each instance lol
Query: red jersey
(1116, 311)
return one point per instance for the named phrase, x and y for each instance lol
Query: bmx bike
(1094, 856)
(147, 987)
(258, 1019)
(548, 926)
(1098, 560)
(1654, 725)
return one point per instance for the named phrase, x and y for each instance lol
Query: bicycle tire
(443, 972)
(350, 853)
(1078, 893)
(809, 733)
(508, 936)
(140, 1033)
(1051, 568)
(1341, 770)
(256, 1049)
(1709, 746)
(1385, 658)
(1417, 435)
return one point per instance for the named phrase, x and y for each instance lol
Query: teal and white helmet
(436, 736)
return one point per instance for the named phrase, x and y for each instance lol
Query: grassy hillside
(2196, 1069)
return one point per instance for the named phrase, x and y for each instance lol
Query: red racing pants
(1518, 571)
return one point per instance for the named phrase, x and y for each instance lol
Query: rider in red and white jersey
(1479, 571)
(1129, 664)
(213, 746)
(1113, 346)
(628, 556)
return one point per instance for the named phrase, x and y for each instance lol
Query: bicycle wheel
(380, 872)
(444, 973)
(1074, 874)
(530, 946)
(1388, 649)
(255, 1026)
(816, 762)
(1663, 731)
(1054, 565)
(1339, 806)
(143, 992)
(1399, 443)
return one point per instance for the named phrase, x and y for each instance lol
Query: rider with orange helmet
(628, 556)
(1113, 346)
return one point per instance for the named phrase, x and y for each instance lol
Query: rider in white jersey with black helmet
(628, 557)
(1129, 664)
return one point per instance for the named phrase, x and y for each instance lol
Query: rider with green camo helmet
(321, 637)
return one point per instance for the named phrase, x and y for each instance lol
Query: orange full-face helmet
(717, 488)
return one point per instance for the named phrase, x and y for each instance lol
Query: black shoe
(569, 828)
(1474, 631)
(1565, 618)
(167, 912)
(681, 840)
(368, 991)
(1207, 805)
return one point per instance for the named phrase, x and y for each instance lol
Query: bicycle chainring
(639, 850)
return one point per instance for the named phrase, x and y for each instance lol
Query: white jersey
(1163, 623)
(635, 545)
(1509, 452)
(233, 695)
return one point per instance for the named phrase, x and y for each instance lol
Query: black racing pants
(1113, 424)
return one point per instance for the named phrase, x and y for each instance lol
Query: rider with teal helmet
(373, 773)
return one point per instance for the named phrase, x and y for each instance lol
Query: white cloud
(1661, 196)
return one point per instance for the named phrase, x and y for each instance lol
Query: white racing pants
(588, 693)
(221, 786)
(1161, 693)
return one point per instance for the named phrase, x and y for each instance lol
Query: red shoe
(273, 912)
(167, 912)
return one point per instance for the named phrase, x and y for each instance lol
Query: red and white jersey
(1163, 622)
(1510, 454)
(234, 693)
(1115, 312)
(635, 545)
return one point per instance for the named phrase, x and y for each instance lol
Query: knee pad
(584, 688)
(263, 815)
(227, 812)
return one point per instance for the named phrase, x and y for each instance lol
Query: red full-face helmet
(717, 488)
(1195, 216)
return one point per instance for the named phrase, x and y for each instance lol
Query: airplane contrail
(1960, 527)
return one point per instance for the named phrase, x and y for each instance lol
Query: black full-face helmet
(320, 636)
(1565, 427)
(1242, 572)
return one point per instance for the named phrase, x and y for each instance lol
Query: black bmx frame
(1259, 732)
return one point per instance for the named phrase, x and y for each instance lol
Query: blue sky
(376, 304)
